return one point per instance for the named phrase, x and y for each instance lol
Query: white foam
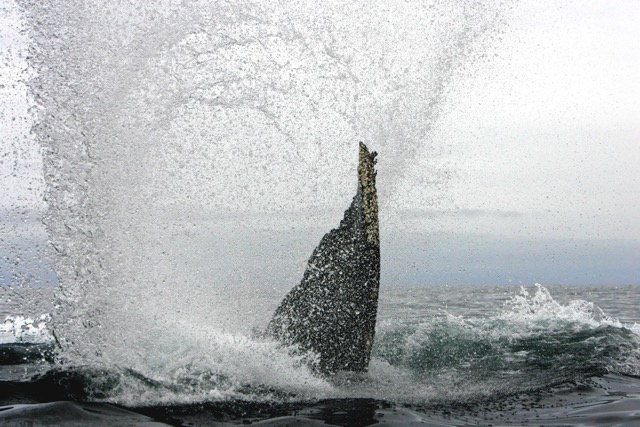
(20, 329)
(541, 310)
(194, 363)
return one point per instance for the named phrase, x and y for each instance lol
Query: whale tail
(332, 312)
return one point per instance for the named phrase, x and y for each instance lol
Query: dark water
(457, 355)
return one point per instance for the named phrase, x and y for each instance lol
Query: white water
(22, 329)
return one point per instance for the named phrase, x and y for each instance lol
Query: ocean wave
(533, 343)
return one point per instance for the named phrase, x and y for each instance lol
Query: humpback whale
(332, 312)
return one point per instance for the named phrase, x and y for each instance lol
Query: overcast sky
(509, 156)
(551, 126)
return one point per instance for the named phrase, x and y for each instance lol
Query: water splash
(175, 133)
(541, 310)
(20, 329)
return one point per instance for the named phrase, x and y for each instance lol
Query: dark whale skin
(332, 312)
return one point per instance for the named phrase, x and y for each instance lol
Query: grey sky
(549, 127)
(532, 137)
(558, 130)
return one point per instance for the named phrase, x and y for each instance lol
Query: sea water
(461, 352)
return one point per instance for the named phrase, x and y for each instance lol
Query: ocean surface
(444, 355)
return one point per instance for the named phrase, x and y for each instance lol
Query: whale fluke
(332, 312)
